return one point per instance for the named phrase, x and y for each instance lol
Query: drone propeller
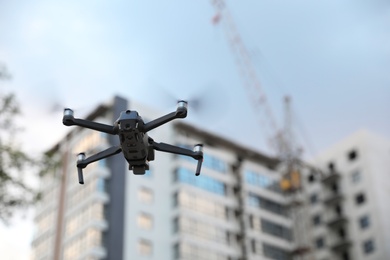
(207, 105)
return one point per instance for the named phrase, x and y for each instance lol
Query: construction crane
(282, 138)
(246, 68)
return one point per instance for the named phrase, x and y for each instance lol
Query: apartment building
(78, 221)
(238, 208)
(349, 200)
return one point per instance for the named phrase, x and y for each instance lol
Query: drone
(135, 144)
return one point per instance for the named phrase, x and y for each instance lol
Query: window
(266, 204)
(257, 179)
(175, 226)
(368, 246)
(352, 155)
(89, 142)
(262, 181)
(94, 237)
(356, 176)
(253, 200)
(75, 222)
(228, 237)
(190, 251)
(145, 221)
(275, 229)
(145, 247)
(319, 242)
(176, 251)
(316, 220)
(256, 247)
(311, 177)
(253, 245)
(251, 221)
(175, 200)
(275, 252)
(202, 230)
(313, 198)
(101, 184)
(345, 256)
(254, 223)
(364, 222)
(331, 166)
(200, 204)
(145, 195)
(335, 188)
(360, 198)
(214, 163)
(83, 242)
(339, 210)
(342, 233)
(202, 181)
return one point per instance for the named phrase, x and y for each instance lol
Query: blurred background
(332, 59)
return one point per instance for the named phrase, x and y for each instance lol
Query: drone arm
(197, 154)
(69, 120)
(181, 112)
(163, 147)
(82, 162)
(101, 155)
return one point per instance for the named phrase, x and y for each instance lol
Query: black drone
(137, 147)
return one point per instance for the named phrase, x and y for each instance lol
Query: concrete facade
(355, 190)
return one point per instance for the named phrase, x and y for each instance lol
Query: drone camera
(127, 125)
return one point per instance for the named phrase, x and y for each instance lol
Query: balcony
(331, 178)
(338, 238)
(341, 246)
(337, 222)
(333, 198)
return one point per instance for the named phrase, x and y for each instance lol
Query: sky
(331, 57)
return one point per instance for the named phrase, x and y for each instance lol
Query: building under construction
(244, 205)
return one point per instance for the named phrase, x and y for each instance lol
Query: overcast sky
(332, 57)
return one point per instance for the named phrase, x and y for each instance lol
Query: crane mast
(255, 93)
(281, 140)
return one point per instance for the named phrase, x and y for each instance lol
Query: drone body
(135, 144)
